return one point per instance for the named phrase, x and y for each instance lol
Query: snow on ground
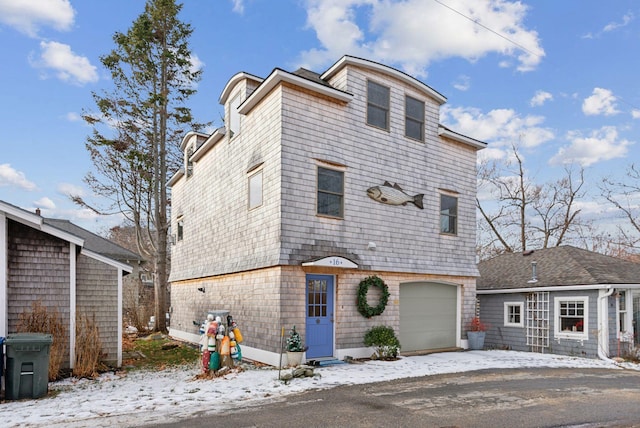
(150, 397)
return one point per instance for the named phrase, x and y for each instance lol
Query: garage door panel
(428, 313)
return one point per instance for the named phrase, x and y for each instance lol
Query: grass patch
(157, 352)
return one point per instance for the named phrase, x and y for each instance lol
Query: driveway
(488, 398)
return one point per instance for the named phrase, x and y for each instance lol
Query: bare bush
(88, 347)
(46, 320)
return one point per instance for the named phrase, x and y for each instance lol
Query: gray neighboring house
(64, 267)
(561, 300)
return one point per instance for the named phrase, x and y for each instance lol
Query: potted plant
(295, 348)
(476, 331)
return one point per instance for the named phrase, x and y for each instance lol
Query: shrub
(46, 320)
(384, 340)
(88, 347)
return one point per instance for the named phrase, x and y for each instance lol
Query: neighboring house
(317, 182)
(64, 267)
(561, 300)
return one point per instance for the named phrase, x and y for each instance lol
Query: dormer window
(234, 116)
(377, 105)
(189, 166)
(414, 118)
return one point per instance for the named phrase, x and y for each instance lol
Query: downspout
(603, 327)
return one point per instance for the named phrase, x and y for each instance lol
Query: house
(561, 300)
(64, 267)
(316, 183)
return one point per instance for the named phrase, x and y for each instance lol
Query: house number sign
(332, 261)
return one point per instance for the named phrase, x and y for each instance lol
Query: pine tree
(137, 132)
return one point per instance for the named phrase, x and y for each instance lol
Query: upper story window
(330, 192)
(448, 214)
(414, 118)
(572, 317)
(377, 105)
(180, 228)
(189, 168)
(234, 116)
(255, 189)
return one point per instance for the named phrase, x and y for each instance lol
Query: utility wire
(475, 21)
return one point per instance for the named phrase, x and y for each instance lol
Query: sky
(559, 79)
(175, 394)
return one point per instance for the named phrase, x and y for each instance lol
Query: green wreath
(363, 307)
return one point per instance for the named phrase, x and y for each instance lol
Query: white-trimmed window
(190, 150)
(414, 118)
(513, 314)
(234, 117)
(255, 189)
(572, 317)
(622, 311)
(330, 192)
(448, 214)
(180, 228)
(378, 102)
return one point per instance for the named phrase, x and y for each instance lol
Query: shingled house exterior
(561, 300)
(316, 182)
(64, 267)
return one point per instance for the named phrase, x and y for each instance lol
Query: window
(414, 118)
(622, 310)
(571, 317)
(255, 189)
(330, 192)
(190, 151)
(377, 105)
(180, 228)
(234, 117)
(513, 314)
(448, 214)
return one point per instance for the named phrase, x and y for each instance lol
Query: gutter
(603, 327)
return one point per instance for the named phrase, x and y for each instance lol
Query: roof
(93, 242)
(557, 266)
(372, 65)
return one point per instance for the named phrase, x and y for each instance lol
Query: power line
(475, 21)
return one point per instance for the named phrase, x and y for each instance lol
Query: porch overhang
(332, 261)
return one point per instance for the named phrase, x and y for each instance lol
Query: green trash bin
(27, 374)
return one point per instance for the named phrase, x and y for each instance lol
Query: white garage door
(428, 313)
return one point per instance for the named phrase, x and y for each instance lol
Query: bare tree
(625, 196)
(521, 213)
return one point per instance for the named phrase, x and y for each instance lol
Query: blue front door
(319, 316)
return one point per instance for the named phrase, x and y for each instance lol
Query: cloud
(69, 189)
(11, 177)
(612, 26)
(73, 117)
(500, 127)
(28, 16)
(635, 113)
(45, 203)
(68, 66)
(238, 6)
(540, 98)
(414, 33)
(601, 102)
(601, 145)
(462, 83)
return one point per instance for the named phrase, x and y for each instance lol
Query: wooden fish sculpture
(394, 195)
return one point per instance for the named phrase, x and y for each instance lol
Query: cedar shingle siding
(97, 296)
(38, 270)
